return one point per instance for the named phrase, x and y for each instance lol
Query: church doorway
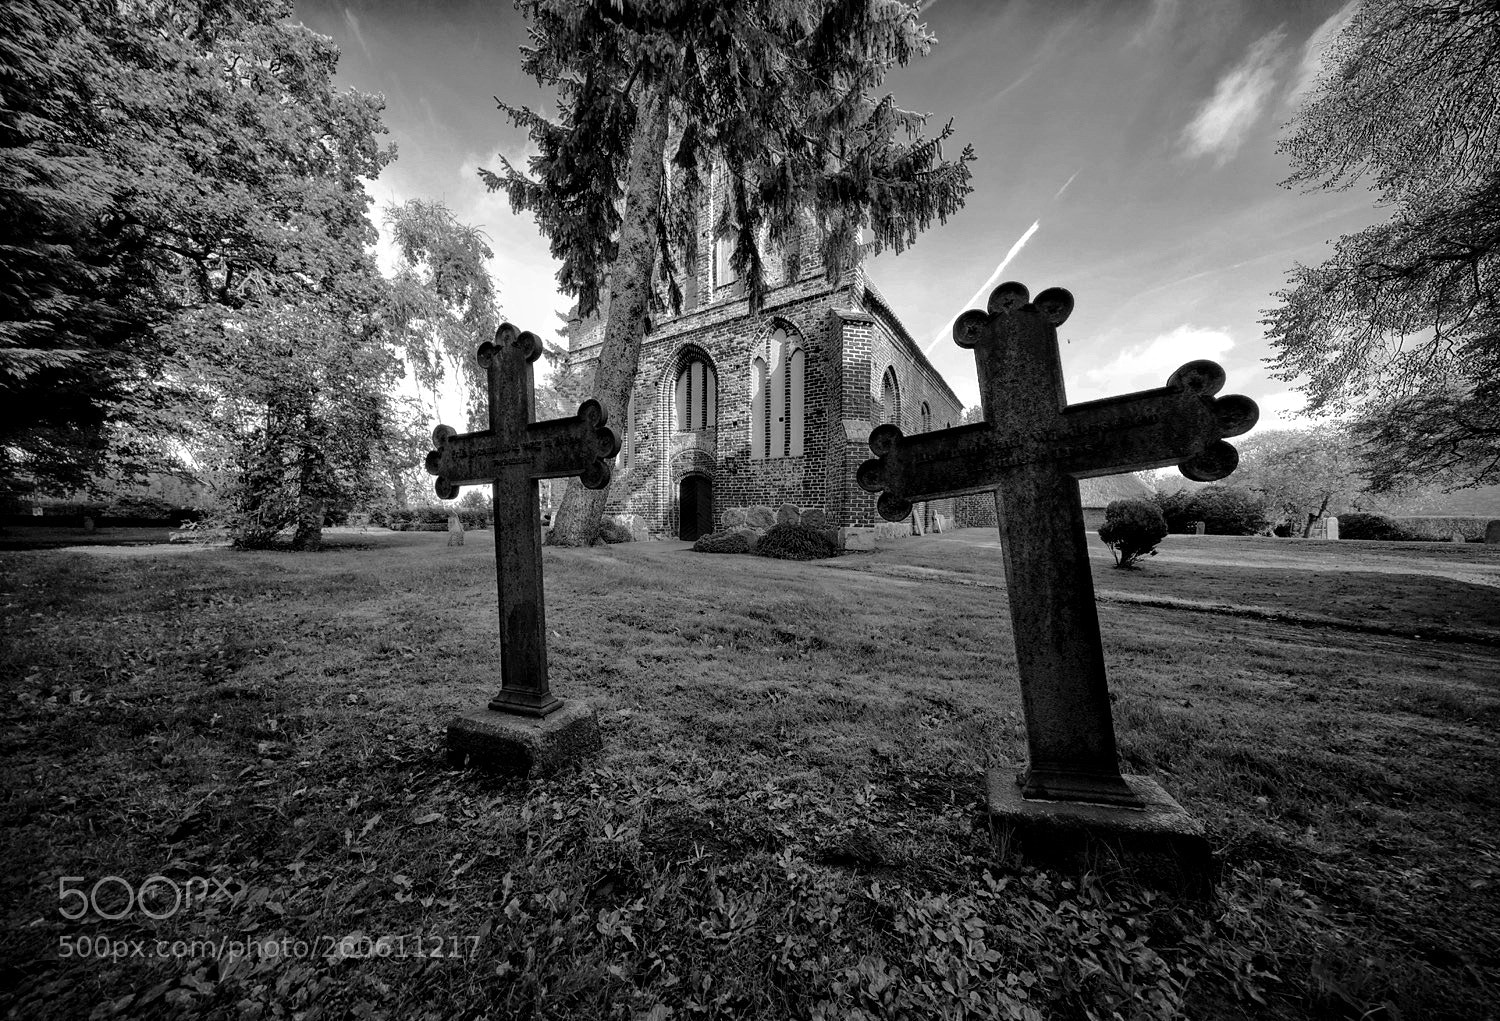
(695, 507)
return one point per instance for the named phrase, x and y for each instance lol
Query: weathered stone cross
(513, 453)
(1032, 448)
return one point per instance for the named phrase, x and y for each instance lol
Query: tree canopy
(780, 96)
(1401, 325)
(184, 177)
(1302, 474)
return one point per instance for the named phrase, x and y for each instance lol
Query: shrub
(1227, 510)
(1369, 526)
(731, 540)
(1174, 508)
(1131, 530)
(1440, 527)
(797, 542)
(430, 518)
(611, 531)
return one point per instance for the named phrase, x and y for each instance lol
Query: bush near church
(739, 539)
(796, 542)
(1131, 530)
(1224, 510)
(431, 518)
(1369, 526)
(612, 531)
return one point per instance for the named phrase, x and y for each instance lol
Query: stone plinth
(1159, 844)
(524, 746)
(856, 539)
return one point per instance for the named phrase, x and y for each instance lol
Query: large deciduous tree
(189, 197)
(1401, 326)
(779, 94)
(441, 304)
(1302, 475)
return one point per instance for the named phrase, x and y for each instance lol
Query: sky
(1127, 150)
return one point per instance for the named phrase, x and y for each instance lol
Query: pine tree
(781, 94)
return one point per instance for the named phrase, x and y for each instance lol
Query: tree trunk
(1312, 519)
(578, 515)
(309, 534)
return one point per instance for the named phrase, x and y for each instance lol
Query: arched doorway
(695, 507)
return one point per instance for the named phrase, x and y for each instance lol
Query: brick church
(732, 410)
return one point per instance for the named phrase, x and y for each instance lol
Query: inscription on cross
(1031, 449)
(512, 454)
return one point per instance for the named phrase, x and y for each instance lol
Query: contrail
(1069, 181)
(947, 331)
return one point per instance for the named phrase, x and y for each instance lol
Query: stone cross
(1032, 448)
(512, 454)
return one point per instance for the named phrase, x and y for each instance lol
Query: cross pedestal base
(524, 746)
(1158, 844)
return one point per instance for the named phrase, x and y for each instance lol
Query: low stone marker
(526, 730)
(1200, 527)
(1031, 449)
(455, 530)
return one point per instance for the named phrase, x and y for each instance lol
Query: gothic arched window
(777, 380)
(697, 396)
(926, 418)
(890, 398)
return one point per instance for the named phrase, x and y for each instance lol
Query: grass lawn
(785, 820)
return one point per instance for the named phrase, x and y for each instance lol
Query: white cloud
(1239, 97)
(1147, 366)
(1316, 51)
(1282, 411)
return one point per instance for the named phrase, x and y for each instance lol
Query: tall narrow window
(926, 418)
(627, 433)
(777, 381)
(724, 273)
(796, 368)
(697, 396)
(890, 398)
(759, 432)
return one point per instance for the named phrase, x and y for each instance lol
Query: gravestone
(455, 530)
(1331, 528)
(1031, 450)
(1200, 527)
(1492, 533)
(526, 730)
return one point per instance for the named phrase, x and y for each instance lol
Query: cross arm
(581, 445)
(1181, 423)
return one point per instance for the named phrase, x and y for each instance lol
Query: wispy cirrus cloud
(352, 23)
(984, 288)
(1239, 98)
(1315, 51)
